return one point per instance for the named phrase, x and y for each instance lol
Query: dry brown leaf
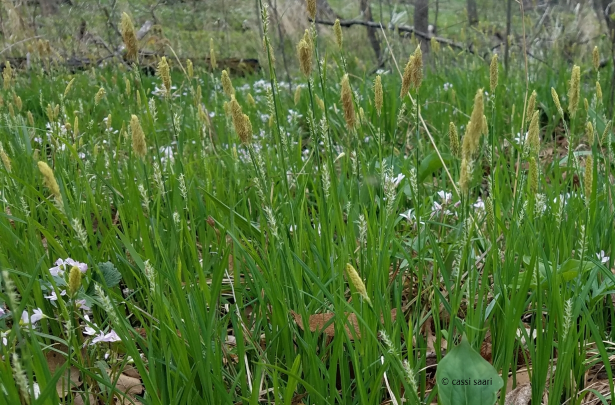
(131, 371)
(522, 378)
(55, 361)
(602, 386)
(520, 395)
(130, 386)
(80, 401)
(318, 321)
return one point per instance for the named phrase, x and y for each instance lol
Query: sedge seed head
(69, 86)
(589, 128)
(189, 69)
(319, 102)
(297, 98)
(598, 92)
(138, 137)
(605, 133)
(246, 135)
(129, 36)
(357, 282)
(100, 94)
(304, 53)
(337, 29)
(164, 73)
(18, 103)
(574, 92)
(239, 121)
(311, 9)
(533, 175)
(596, 58)
(212, 55)
(49, 180)
(475, 128)
(347, 103)
(76, 127)
(30, 119)
(556, 102)
(378, 94)
(435, 45)
(533, 135)
(407, 78)
(127, 84)
(453, 138)
(493, 73)
(251, 100)
(588, 178)
(464, 176)
(531, 105)
(417, 68)
(227, 85)
(74, 280)
(7, 75)
(5, 159)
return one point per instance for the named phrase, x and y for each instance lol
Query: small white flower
(37, 315)
(54, 297)
(2, 311)
(438, 208)
(445, 197)
(409, 215)
(479, 204)
(448, 86)
(36, 389)
(109, 337)
(520, 140)
(89, 330)
(82, 305)
(395, 180)
(63, 265)
(603, 257)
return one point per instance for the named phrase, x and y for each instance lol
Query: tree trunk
(366, 10)
(48, 7)
(421, 21)
(506, 40)
(472, 12)
(607, 9)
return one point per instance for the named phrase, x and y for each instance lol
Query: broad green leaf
(431, 163)
(571, 268)
(108, 273)
(465, 378)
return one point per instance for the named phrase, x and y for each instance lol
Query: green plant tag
(465, 378)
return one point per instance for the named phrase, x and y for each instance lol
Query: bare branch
(401, 28)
